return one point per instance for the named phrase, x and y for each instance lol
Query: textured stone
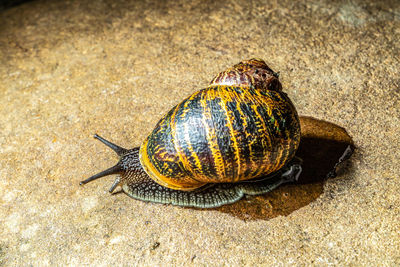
(69, 69)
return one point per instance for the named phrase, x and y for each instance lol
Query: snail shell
(237, 136)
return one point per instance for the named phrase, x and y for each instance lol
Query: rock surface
(70, 69)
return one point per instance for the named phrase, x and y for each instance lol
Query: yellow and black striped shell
(240, 127)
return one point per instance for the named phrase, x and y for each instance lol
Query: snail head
(129, 160)
(253, 72)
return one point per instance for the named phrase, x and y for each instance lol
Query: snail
(237, 136)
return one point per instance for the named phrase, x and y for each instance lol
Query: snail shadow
(323, 147)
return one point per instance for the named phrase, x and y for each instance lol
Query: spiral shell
(240, 127)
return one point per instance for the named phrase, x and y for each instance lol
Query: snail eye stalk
(113, 170)
(117, 149)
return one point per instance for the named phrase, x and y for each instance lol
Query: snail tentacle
(115, 184)
(113, 170)
(119, 150)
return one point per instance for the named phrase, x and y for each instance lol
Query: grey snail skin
(237, 136)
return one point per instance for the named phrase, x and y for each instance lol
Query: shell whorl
(249, 73)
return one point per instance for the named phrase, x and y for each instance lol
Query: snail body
(237, 136)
